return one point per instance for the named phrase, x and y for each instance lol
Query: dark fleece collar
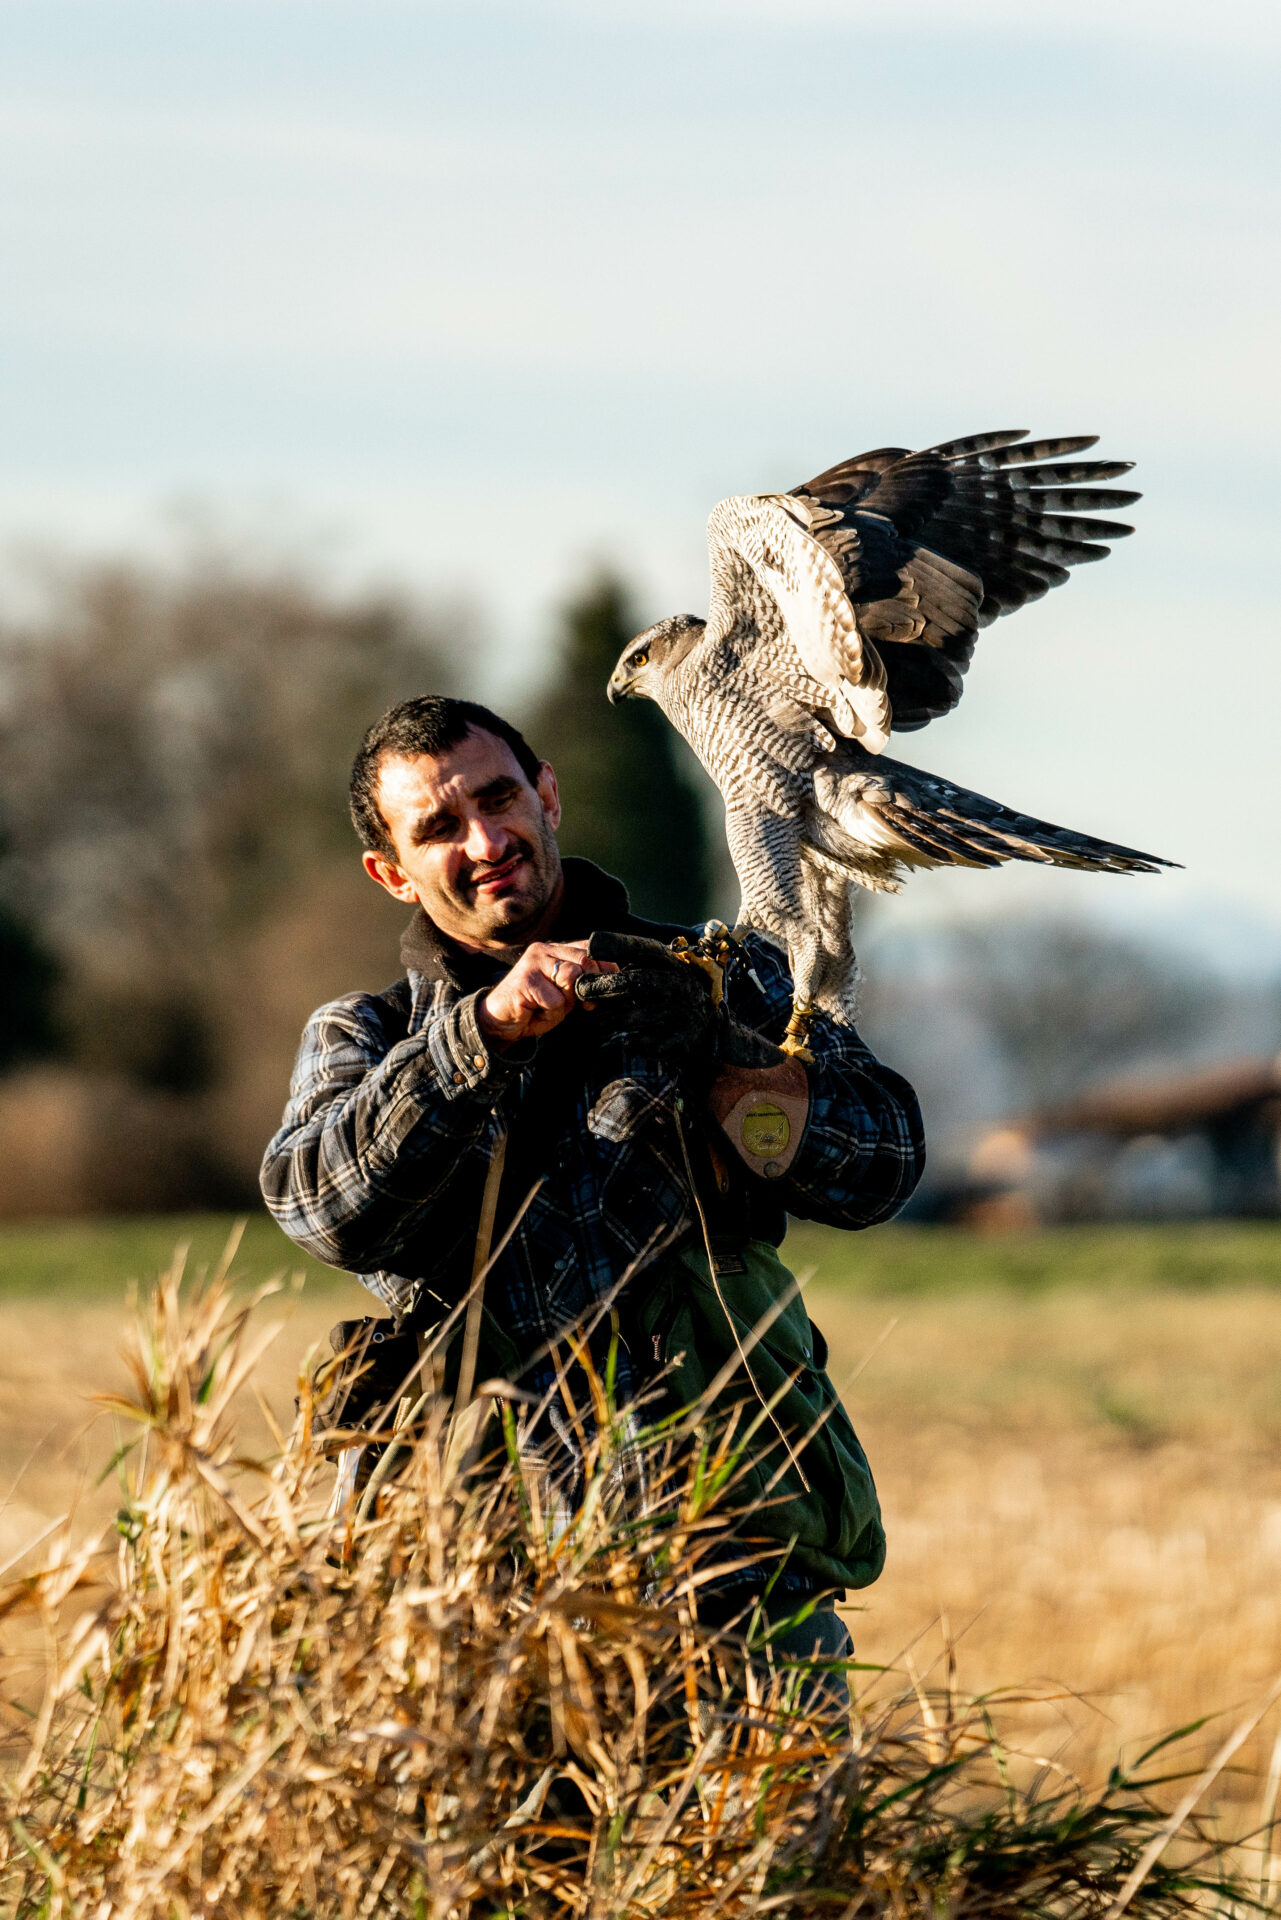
(594, 900)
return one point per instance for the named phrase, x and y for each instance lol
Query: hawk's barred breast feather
(842, 611)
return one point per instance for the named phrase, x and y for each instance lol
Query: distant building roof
(1173, 1103)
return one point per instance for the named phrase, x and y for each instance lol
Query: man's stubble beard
(541, 860)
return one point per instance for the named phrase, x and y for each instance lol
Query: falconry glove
(663, 1005)
(757, 1095)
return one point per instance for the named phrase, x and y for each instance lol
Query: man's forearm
(371, 1146)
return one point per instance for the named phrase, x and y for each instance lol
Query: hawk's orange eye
(640, 660)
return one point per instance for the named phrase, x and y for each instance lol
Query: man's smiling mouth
(493, 879)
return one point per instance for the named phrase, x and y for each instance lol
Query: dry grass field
(1076, 1440)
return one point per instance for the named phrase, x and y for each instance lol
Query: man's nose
(486, 841)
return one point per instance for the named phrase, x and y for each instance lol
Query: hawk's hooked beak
(616, 690)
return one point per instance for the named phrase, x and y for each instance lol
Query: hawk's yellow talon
(705, 964)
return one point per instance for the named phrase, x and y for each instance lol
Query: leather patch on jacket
(762, 1112)
(619, 1110)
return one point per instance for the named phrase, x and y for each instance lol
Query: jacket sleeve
(375, 1136)
(863, 1150)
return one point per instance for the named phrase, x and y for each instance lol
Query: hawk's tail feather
(940, 841)
(997, 834)
(873, 810)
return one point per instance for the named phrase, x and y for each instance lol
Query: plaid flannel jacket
(397, 1097)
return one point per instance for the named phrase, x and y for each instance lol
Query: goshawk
(840, 612)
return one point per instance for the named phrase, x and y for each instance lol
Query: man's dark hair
(432, 723)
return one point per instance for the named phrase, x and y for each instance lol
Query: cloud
(1224, 30)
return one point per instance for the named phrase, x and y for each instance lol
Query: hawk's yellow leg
(798, 1032)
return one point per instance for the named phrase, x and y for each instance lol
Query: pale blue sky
(471, 295)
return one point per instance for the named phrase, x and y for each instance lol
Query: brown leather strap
(480, 1265)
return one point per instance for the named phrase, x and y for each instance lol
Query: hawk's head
(647, 659)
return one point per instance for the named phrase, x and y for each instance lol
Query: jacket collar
(594, 900)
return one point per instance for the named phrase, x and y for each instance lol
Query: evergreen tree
(27, 981)
(636, 801)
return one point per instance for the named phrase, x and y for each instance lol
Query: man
(663, 1137)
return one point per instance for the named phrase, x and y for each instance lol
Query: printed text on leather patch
(762, 1112)
(765, 1129)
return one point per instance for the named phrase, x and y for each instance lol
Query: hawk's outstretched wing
(932, 546)
(779, 599)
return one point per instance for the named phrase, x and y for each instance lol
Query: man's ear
(389, 875)
(549, 793)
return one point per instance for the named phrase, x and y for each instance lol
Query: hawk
(843, 611)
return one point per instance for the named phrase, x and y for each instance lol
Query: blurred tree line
(179, 880)
(636, 800)
(180, 886)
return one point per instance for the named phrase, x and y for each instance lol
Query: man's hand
(538, 992)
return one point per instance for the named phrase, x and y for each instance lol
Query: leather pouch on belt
(762, 1111)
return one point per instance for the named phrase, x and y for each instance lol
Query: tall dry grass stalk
(474, 1700)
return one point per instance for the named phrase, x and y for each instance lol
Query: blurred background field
(87, 1257)
(1077, 1437)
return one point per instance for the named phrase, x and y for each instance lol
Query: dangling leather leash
(766, 1406)
(480, 1262)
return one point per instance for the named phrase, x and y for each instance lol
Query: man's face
(475, 842)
